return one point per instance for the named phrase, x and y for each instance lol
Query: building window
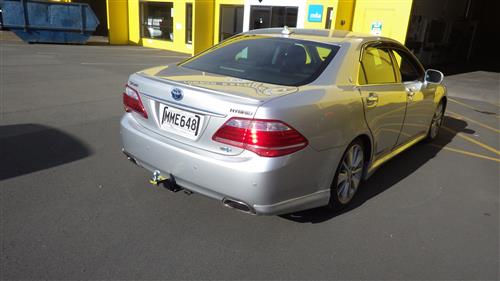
(231, 21)
(157, 20)
(189, 23)
(272, 16)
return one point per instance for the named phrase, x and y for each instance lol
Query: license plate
(180, 122)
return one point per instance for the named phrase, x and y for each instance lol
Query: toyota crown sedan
(274, 121)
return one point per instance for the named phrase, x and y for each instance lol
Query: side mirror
(433, 76)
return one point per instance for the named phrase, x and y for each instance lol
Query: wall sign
(376, 28)
(315, 13)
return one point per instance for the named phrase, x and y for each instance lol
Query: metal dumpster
(49, 22)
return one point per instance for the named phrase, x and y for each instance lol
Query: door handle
(410, 92)
(371, 99)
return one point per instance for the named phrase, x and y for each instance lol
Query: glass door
(231, 21)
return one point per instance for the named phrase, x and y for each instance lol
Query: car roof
(320, 35)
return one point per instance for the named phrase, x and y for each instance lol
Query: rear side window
(376, 67)
(323, 52)
(408, 67)
(274, 60)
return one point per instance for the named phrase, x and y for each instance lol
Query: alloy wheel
(437, 121)
(350, 174)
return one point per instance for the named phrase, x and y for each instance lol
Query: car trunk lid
(174, 96)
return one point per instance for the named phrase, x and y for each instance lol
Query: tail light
(268, 138)
(132, 102)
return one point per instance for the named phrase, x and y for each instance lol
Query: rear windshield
(272, 60)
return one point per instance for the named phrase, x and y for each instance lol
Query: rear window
(281, 61)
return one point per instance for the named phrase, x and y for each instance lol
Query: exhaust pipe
(238, 205)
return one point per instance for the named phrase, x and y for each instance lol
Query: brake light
(132, 102)
(268, 138)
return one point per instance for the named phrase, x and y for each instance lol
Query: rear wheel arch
(363, 142)
(366, 141)
(367, 147)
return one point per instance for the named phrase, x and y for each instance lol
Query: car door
(419, 99)
(384, 97)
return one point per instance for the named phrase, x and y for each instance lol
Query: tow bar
(167, 182)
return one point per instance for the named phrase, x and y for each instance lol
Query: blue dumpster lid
(45, 15)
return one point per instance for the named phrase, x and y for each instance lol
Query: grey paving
(477, 85)
(72, 207)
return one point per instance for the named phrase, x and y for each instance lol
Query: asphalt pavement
(72, 206)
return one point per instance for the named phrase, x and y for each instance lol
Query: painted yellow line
(465, 152)
(462, 104)
(116, 63)
(469, 139)
(459, 116)
(472, 107)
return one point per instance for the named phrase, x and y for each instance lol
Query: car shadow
(28, 148)
(388, 174)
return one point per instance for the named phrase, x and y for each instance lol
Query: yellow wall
(134, 32)
(202, 33)
(326, 4)
(124, 20)
(117, 21)
(393, 14)
(345, 13)
(216, 29)
(203, 25)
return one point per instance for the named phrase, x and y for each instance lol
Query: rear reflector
(268, 138)
(132, 102)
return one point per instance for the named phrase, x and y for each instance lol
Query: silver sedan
(273, 121)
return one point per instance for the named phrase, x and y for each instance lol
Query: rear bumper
(269, 186)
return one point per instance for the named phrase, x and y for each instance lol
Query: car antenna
(286, 31)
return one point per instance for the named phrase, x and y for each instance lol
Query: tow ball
(167, 182)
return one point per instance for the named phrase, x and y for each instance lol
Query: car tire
(436, 123)
(348, 176)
